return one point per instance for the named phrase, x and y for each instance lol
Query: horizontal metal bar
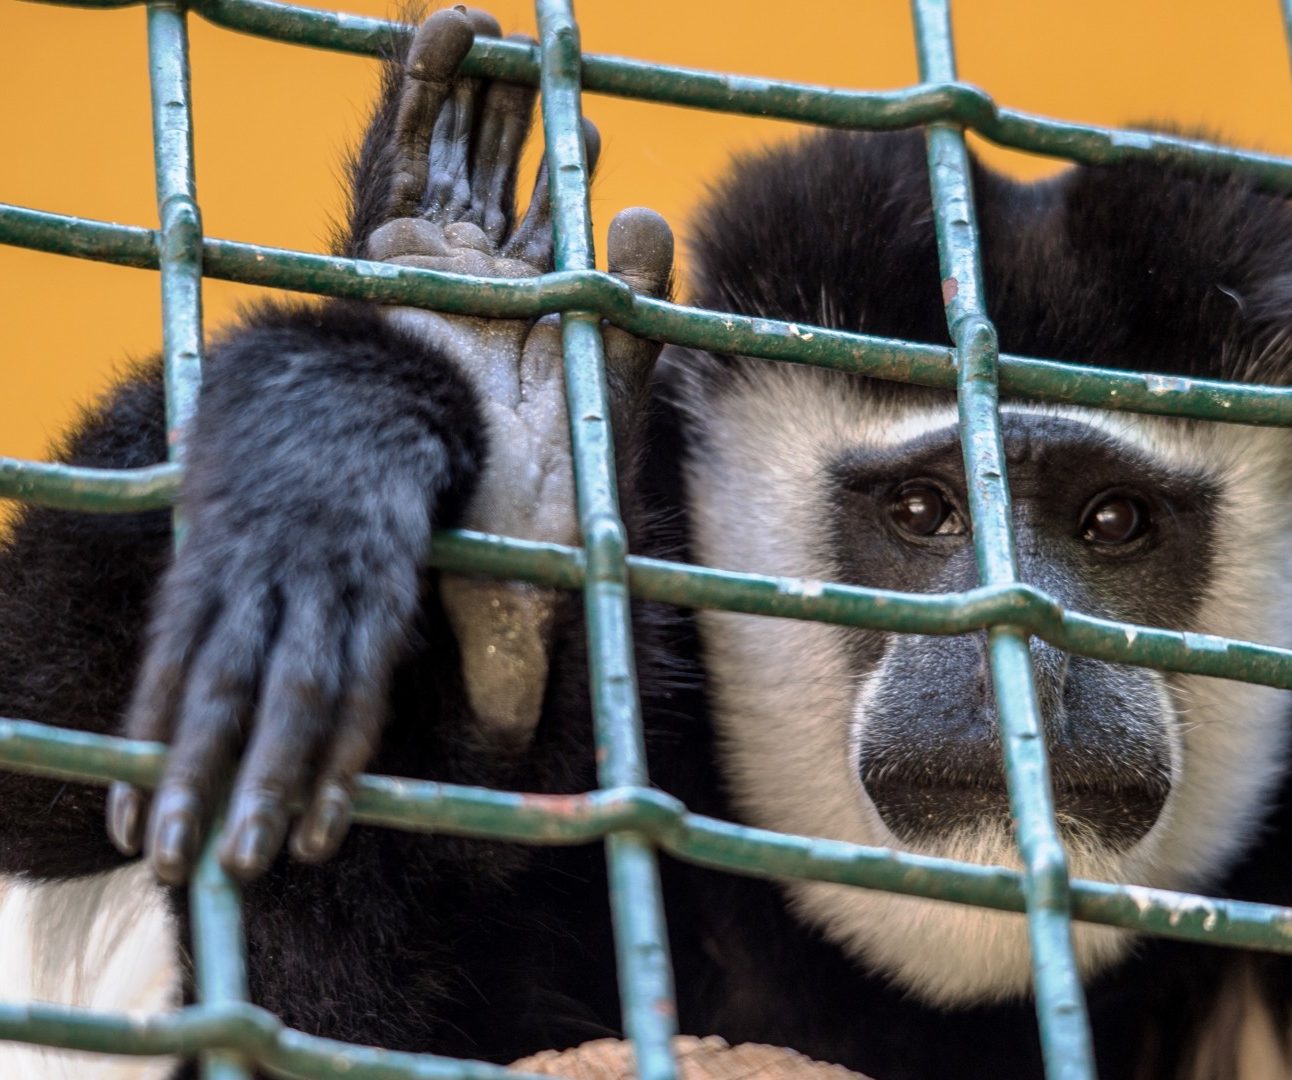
(429, 806)
(1020, 605)
(70, 487)
(591, 290)
(237, 1028)
(885, 110)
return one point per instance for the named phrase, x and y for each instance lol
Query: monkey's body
(483, 950)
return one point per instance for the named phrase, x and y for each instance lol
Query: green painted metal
(179, 242)
(637, 909)
(429, 806)
(1020, 605)
(68, 487)
(234, 1031)
(589, 290)
(933, 100)
(1287, 24)
(219, 949)
(213, 898)
(1060, 1002)
(626, 814)
(82, 238)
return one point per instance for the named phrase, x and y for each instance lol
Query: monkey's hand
(458, 144)
(328, 443)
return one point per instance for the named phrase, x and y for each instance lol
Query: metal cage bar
(214, 901)
(877, 110)
(632, 818)
(591, 290)
(637, 909)
(1060, 1002)
(529, 818)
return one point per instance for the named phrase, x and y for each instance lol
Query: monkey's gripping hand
(327, 445)
(451, 209)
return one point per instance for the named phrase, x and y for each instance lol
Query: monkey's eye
(1113, 519)
(922, 510)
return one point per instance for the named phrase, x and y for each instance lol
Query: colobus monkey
(297, 639)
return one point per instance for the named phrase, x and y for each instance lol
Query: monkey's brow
(1031, 442)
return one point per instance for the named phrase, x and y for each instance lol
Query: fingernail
(254, 846)
(322, 834)
(249, 849)
(124, 817)
(172, 851)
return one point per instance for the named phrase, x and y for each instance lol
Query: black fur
(75, 590)
(1139, 267)
(1145, 267)
(491, 950)
(370, 170)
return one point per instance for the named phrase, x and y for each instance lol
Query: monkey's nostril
(921, 802)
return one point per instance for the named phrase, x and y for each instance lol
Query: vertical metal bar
(181, 223)
(645, 976)
(214, 905)
(1286, 6)
(1060, 1003)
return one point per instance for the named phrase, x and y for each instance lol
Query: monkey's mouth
(921, 805)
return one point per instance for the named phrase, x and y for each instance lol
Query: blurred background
(273, 122)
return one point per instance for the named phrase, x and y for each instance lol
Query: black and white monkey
(297, 638)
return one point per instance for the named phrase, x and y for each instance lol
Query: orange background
(273, 120)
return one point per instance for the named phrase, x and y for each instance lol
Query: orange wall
(272, 121)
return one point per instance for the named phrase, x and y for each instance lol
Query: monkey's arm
(328, 443)
(325, 444)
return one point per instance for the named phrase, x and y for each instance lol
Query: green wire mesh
(231, 1035)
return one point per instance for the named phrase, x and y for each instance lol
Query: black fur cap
(1142, 266)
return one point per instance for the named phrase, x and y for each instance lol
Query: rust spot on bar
(564, 806)
(950, 289)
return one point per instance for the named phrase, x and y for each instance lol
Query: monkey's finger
(639, 251)
(375, 637)
(175, 635)
(438, 48)
(508, 110)
(218, 696)
(298, 703)
(409, 236)
(448, 192)
(482, 23)
(126, 809)
(447, 181)
(327, 817)
(591, 145)
(532, 241)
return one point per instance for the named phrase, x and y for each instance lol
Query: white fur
(104, 942)
(1240, 1038)
(789, 713)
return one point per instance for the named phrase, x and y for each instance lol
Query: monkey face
(893, 740)
(1123, 537)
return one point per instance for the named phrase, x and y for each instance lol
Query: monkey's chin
(954, 955)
